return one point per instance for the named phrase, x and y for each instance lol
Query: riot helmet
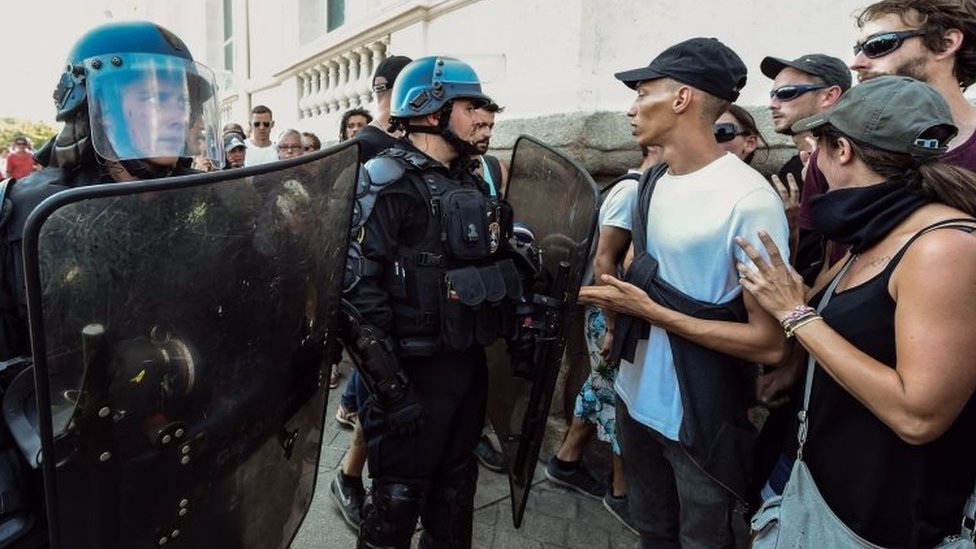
(430, 85)
(132, 92)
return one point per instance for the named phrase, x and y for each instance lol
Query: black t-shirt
(373, 141)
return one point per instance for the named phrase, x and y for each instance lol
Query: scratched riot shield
(178, 329)
(555, 203)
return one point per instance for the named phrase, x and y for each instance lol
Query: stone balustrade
(335, 83)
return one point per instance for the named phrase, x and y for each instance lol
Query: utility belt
(458, 308)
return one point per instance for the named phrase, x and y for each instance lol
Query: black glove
(403, 416)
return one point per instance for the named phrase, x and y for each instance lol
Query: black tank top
(889, 492)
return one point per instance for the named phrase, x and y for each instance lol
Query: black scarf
(859, 217)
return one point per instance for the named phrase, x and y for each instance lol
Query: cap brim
(771, 66)
(633, 77)
(810, 123)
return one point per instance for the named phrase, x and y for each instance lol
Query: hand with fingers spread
(777, 287)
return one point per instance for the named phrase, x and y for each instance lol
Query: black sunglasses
(258, 124)
(726, 131)
(884, 43)
(791, 92)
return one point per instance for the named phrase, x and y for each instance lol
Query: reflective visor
(145, 106)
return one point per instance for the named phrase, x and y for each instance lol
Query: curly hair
(345, 120)
(935, 17)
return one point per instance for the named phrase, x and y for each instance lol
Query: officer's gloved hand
(404, 415)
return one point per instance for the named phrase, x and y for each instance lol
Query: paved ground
(555, 518)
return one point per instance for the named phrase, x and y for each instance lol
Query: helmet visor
(149, 106)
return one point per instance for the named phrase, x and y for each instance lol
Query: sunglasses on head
(791, 92)
(884, 43)
(258, 124)
(726, 131)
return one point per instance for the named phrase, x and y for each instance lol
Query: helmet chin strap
(443, 128)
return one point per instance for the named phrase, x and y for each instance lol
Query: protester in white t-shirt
(685, 472)
(260, 148)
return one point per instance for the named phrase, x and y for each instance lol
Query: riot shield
(178, 328)
(557, 202)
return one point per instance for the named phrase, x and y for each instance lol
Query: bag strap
(803, 416)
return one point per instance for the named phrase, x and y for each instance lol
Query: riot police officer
(436, 284)
(134, 105)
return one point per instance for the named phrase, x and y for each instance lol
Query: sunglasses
(884, 43)
(309, 148)
(726, 131)
(791, 92)
(258, 124)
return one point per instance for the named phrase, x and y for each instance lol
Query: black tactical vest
(454, 287)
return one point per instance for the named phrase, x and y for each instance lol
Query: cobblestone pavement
(555, 518)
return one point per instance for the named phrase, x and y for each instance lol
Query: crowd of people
(834, 298)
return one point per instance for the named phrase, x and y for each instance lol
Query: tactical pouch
(464, 221)
(513, 293)
(490, 316)
(463, 292)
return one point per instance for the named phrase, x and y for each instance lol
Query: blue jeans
(672, 502)
(349, 399)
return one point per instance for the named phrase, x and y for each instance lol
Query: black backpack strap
(646, 185)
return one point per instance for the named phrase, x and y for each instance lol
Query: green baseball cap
(894, 113)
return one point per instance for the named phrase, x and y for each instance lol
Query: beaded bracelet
(791, 330)
(798, 312)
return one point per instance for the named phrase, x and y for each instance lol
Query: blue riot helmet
(430, 85)
(134, 93)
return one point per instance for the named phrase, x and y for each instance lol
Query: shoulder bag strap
(811, 364)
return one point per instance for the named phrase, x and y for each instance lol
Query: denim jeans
(673, 503)
(349, 399)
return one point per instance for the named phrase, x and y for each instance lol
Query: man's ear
(830, 96)
(951, 41)
(682, 99)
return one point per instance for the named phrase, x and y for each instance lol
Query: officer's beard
(463, 148)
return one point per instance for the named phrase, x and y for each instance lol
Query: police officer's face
(157, 114)
(464, 118)
(483, 130)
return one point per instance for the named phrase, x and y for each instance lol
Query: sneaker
(346, 417)
(619, 509)
(349, 499)
(578, 479)
(488, 457)
(334, 377)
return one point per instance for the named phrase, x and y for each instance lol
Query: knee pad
(390, 514)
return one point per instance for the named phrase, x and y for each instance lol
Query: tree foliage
(37, 132)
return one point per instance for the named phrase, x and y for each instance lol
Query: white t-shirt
(617, 210)
(260, 155)
(691, 224)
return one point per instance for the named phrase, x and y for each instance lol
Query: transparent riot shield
(556, 201)
(178, 328)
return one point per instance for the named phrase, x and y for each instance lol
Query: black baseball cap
(894, 113)
(702, 63)
(389, 69)
(831, 70)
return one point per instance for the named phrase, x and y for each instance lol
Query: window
(228, 35)
(335, 14)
